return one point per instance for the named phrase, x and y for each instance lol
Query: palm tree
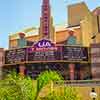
(45, 78)
(14, 87)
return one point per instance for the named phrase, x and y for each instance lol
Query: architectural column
(81, 74)
(96, 72)
(95, 60)
(1, 61)
(81, 71)
(22, 69)
(72, 71)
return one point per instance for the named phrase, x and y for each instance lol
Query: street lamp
(93, 94)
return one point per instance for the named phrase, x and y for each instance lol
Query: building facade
(63, 49)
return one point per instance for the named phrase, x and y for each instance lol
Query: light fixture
(93, 94)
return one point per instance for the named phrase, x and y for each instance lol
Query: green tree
(45, 78)
(14, 87)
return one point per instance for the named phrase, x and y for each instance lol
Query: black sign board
(44, 54)
(15, 56)
(75, 53)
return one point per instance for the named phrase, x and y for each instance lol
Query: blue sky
(16, 15)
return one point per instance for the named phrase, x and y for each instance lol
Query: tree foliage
(14, 87)
(46, 77)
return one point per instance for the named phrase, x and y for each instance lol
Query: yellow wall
(98, 38)
(59, 36)
(33, 38)
(76, 12)
(62, 36)
(13, 43)
(87, 29)
(83, 91)
(84, 33)
(98, 34)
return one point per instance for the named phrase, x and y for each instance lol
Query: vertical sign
(15, 56)
(95, 60)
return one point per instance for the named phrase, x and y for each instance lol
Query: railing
(78, 83)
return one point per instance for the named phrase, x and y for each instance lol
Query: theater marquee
(45, 50)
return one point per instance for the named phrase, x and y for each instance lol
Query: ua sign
(44, 43)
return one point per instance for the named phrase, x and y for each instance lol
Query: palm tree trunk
(36, 95)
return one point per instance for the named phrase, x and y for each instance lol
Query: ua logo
(44, 44)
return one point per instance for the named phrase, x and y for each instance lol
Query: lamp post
(93, 94)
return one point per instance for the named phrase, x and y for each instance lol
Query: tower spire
(45, 1)
(46, 27)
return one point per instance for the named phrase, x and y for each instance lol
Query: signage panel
(95, 53)
(44, 54)
(95, 60)
(75, 53)
(15, 56)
